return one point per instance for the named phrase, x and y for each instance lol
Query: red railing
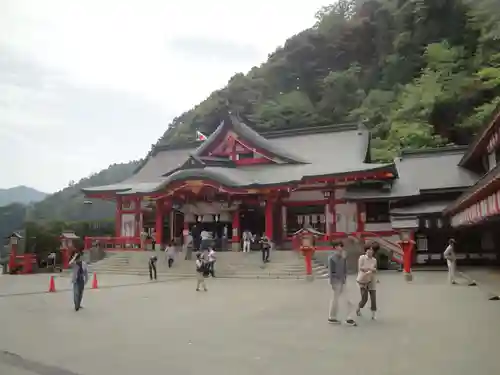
(393, 247)
(119, 243)
(22, 262)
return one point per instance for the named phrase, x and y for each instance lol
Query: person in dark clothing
(196, 234)
(265, 248)
(79, 278)
(152, 267)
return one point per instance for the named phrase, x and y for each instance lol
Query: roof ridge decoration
(258, 142)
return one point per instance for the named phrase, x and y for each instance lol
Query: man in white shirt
(451, 260)
(206, 239)
(247, 239)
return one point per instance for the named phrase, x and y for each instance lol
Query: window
(377, 212)
(245, 155)
(422, 244)
(305, 216)
(497, 154)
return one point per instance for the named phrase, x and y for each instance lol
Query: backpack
(203, 269)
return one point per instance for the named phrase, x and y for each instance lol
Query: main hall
(324, 177)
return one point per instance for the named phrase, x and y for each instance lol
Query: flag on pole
(200, 136)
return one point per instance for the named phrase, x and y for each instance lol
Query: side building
(475, 214)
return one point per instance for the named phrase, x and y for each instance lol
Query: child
(170, 253)
(211, 261)
(201, 272)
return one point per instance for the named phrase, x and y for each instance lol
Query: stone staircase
(283, 264)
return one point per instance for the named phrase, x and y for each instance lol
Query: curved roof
(329, 151)
(248, 134)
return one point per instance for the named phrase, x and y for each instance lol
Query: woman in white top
(367, 280)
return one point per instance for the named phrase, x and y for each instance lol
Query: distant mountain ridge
(21, 194)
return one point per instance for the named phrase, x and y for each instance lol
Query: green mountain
(20, 194)
(68, 204)
(418, 73)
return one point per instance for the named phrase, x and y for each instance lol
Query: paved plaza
(245, 327)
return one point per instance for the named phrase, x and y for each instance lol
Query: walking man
(337, 272)
(265, 248)
(451, 260)
(79, 278)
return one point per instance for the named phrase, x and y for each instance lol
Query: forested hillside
(419, 73)
(68, 204)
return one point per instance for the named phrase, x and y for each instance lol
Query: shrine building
(278, 182)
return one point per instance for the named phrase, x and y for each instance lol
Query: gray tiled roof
(334, 152)
(424, 170)
(488, 178)
(420, 209)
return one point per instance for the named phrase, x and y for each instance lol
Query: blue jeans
(78, 293)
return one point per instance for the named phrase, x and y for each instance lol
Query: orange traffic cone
(94, 281)
(52, 285)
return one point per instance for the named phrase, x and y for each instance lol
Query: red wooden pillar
(159, 221)
(407, 244)
(235, 237)
(332, 226)
(138, 227)
(118, 216)
(360, 208)
(13, 255)
(269, 218)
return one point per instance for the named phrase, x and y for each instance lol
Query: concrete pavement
(254, 327)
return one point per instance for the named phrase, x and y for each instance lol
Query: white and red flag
(200, 136)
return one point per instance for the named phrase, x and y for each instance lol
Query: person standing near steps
(79, 277)
(337, 272)
(451, 260)
(202, 271)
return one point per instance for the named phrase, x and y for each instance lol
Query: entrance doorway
(252, 218)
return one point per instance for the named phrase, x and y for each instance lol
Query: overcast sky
(88, 83)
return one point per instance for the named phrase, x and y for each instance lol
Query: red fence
(120, 243)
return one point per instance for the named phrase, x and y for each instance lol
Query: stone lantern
(14, 239)
(407, 245)
(67, 247)
(305, 241)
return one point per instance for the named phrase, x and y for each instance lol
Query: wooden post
(159, 222)
(118, 216)
(235, 238)
(269, 219)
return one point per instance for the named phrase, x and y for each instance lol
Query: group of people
(366, 280)
(265, 244)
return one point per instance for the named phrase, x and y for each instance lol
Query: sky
(85, 84)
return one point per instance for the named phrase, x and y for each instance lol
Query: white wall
(339, 193)
(347, 217)
(308, 195)
(373, 227)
